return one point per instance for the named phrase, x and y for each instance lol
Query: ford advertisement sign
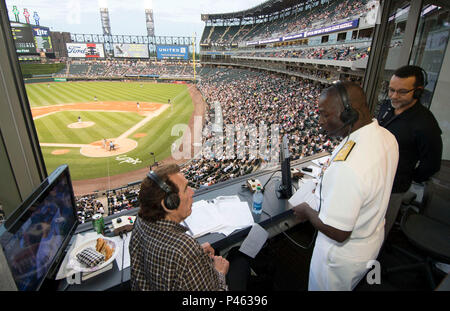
(85, 50)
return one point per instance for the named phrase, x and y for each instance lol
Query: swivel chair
(428, 230)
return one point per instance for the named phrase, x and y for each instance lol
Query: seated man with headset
(354, 191)
(163, 256)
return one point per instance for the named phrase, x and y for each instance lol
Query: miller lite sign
(40, 32)
(85, 50)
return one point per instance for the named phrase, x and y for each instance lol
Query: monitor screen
(34, 241)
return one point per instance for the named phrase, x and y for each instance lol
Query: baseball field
(102, 129)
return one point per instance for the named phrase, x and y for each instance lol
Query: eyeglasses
(400, 92)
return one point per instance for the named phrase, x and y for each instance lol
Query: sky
(171, 17)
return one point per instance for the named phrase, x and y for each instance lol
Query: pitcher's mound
(80, 125)
(98, 149)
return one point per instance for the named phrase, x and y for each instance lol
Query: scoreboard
(130, 50)
(23, 38)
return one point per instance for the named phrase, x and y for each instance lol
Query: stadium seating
(319, 16)
(249, 97)
(122, 68)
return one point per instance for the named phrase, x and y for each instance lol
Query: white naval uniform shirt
(355, 194)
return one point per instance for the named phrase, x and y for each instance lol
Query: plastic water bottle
(258, 198)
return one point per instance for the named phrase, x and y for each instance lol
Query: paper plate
(76, 265)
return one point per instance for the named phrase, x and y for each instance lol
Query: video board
(85, 50)
(130, 50)
(23, 38)
(42, 39)
(172, 51)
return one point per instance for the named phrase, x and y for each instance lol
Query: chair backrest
(436, 202)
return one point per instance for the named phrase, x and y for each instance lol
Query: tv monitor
(34, 237)
(285, 188)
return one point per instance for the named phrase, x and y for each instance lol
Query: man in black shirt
(417, 133)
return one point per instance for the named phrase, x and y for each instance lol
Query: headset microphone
(324, 132)
(349, 115)
(171, 199)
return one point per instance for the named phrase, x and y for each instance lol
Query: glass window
(398, 15)
(430, 44)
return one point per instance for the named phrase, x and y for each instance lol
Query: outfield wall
(109, 79)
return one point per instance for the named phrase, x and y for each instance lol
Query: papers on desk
(254, 241)
(223, 215)
(305, 194)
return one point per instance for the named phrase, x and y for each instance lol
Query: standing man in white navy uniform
(353, 192)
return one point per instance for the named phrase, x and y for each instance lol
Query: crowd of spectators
(249, 100)
(341, 53)
(2, 215)
(314, 73)
(315, 17)
(122, 199)
(120, 68)
(117, 200)
(87, 206)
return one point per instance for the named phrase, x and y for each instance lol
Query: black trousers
(239, 271)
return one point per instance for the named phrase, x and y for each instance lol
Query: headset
(349, 115)
(418, 92)
(171, 200)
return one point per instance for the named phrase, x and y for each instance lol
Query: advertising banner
(320, 31)
(85, 50)
(131, 50)
(42, 39)
(172, 51)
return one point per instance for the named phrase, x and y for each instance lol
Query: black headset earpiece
(418, 92)
(171, 200)
(349, 115)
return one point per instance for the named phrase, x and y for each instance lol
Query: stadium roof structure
(265, 8)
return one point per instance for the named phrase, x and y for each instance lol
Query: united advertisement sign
(172, 51)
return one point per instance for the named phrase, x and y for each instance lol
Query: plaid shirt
(164, 257)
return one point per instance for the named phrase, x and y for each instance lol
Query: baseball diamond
(76, 129)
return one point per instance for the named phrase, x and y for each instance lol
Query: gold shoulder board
(345, 151)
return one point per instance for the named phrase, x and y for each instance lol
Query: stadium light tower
(106, 25)
(149, 18)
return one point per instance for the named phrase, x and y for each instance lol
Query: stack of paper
(223, 215)
(203, 219)
(234, 213)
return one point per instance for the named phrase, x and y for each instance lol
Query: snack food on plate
(103, 248)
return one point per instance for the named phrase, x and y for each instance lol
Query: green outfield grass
(39, 94)
(158, 130)
(53, 127)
